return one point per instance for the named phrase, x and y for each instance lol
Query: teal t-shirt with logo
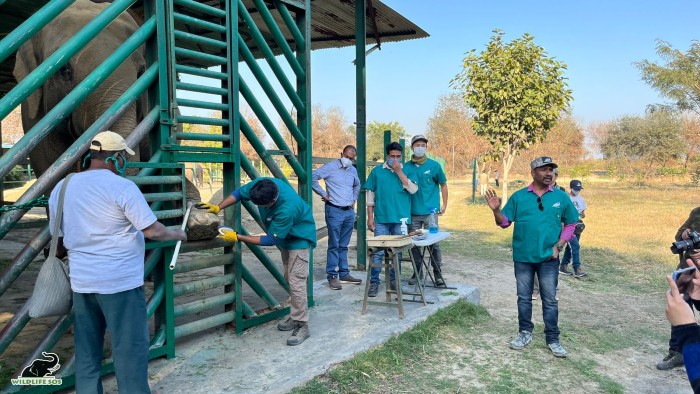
(290, 219)
(428, 176)
(535, 232)
(391, 201)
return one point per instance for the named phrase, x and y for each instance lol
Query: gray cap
(419, 137)
(542, 161)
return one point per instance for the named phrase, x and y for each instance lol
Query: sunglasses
(539, 201)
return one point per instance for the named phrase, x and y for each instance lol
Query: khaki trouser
(296, 271)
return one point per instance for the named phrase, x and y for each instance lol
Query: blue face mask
(390, 162)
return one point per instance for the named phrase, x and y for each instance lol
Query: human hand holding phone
(687, 280)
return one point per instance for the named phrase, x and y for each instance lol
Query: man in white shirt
(105, 219)
(573, 251)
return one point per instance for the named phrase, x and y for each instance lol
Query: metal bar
(204, 304)
(201, 88)
(199, 40)
(202, 104)
(291, 25)
(267, 52)
(165, 196)
(151, 261)
(361, 128)
(279, 38)
(265, 260)
(68, 159)
(155, 179)
(203, 263)
(204, 57)
(202, 72)
(199, 285)
(169, 214)
(259, 289)
(188, 20)
(260, 150)
(155, 300)
(271, 94)
(24, 258)
(202, 120)
(72, 100)
(201, 8)
(271, 129)
(203, 324)
(30, 26)
(49, 340)
(253, 211)
(14, 327)
(143, 128)
(196, 149)
(54, 62)
(247, 166)
(201, 137)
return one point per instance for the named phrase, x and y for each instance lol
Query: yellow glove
(211, 208)
(227, 234)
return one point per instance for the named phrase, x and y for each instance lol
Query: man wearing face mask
(432, 183)
(388, 200)
(342, 189)
(105, 219)
(573, 251)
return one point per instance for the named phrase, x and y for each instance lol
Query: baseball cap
(419, 137)
(109, 141)
(576, 184)
(542, 161)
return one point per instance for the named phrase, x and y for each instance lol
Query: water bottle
(404, 227)
(432, 221)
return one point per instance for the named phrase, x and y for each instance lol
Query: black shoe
(672, 360)
(564, 270)
(373, 290)
(438, 279)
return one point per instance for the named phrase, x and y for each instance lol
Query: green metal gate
(207, 40)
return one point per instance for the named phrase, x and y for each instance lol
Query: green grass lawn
(617, 310)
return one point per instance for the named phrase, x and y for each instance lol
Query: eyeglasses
(539, 201)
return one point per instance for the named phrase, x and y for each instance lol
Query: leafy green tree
(564, 143)
(375, 138)
(517, 94)
(645, 142)
(678, 79)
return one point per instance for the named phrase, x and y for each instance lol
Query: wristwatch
(559, 247)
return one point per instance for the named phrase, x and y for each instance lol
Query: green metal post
(474, 182)
(361, 131)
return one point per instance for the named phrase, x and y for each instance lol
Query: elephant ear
(26, 62)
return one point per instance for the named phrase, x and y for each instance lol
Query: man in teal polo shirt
(388, 201)
(289, 224)
(432, 182)
(538, 212)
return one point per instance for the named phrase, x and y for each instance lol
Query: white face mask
(575, 192)
(419, 151)
(345, 162)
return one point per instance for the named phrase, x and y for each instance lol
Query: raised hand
(492, 199)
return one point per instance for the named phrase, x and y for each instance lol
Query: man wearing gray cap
(538, 212)
(432, 184)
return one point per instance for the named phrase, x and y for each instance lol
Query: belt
(339, 207)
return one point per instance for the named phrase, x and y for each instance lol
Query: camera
(693, 242)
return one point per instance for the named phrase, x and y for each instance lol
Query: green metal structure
(191, 47)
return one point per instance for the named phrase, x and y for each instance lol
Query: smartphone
(678, 273)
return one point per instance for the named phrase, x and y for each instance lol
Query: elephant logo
(42, 368)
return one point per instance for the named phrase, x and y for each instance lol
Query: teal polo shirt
(428, 176)
(536, 231)
(391, 201)
(290, 219)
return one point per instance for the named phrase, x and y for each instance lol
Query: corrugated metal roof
(332, 26)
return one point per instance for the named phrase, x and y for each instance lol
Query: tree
(517, 94)
(375, 138)
(649, 142)
(691, 135)
(330, 131)
(678, 78)
(451, 136)
(564, 143)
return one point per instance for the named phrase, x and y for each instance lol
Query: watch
(559, 247)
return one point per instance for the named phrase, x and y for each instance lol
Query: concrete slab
(259, 361)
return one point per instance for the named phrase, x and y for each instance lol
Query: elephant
(49, 39)
(41, 368)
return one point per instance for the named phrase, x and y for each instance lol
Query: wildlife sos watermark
(40, 372)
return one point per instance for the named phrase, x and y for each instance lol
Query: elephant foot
(202, 225)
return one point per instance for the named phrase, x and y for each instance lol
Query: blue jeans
(124, 315)
(340, 223)
(548, 275)
(377, 257)
(572, 251)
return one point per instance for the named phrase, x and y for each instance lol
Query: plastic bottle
(404, 227)
(432, 221)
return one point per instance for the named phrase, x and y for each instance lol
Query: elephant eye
(66, 72)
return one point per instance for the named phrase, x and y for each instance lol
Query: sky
(598, 40)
